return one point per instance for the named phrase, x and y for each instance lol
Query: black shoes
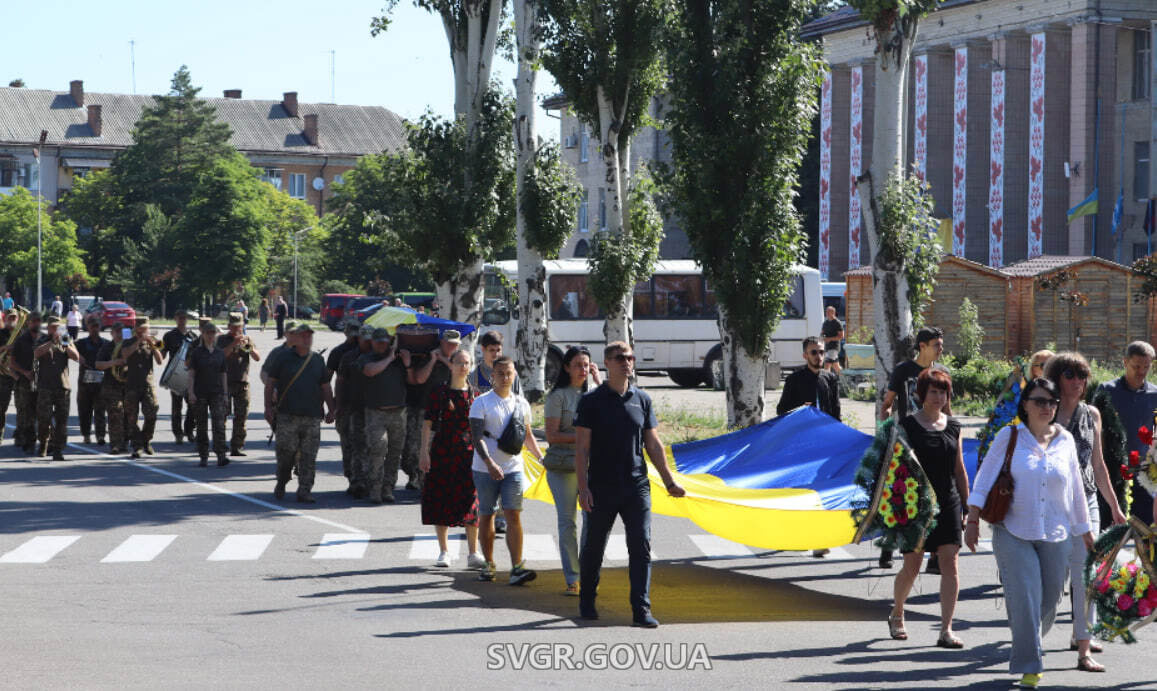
(237, 452)
(588, 612)
(886, 559)
(279, 490)
(305, 498)
(204, 461)
(644, 620)
(222, 460)
(149, 449)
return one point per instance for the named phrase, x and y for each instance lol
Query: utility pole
(39, 229)
(133, 62)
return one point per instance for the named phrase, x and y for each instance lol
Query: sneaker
(644, 620)
(572, 589)
(500, 525)
(519, 575)
(475, 561)
(149, 449)
(1029, 681)
(443, 560)
(486, 573)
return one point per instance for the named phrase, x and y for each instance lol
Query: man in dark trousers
(613, 424)
(280, 312)
(811, 385)
(173, 340)
(89, 405)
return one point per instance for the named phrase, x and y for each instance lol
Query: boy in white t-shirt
(499, 473)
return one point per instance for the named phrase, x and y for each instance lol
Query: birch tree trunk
(892, 308)
(617, 324)
(461, 298)
(530, 339)
(744, 374)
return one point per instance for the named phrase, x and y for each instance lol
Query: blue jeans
(489, 490)
(633, 504)
(1033, 573)
(564, 489)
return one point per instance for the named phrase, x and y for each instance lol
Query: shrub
(971, 333)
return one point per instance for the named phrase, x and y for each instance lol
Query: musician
(53, 390)
(296, 413)
(207, 365)
(7, 381)
(239, 352)
(21, 362)
(342, 419)
(89, 403)
(143, 352)
(173, 339)
(112, 361)
(351, 397)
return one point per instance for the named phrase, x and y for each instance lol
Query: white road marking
(139, 548)
(539, 547)
(241, 548)
(617, 548)
(425, 547)
(39, 549)
(342, 546)
(715, 547)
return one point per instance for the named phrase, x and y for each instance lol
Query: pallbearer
(173, 339)
(21, 363)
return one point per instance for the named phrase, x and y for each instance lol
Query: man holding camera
(54, 391)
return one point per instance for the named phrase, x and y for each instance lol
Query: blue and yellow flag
(1085, 208)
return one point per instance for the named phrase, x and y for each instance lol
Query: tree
(893, 25)
(606, 58)
(17, 83)
(472, 32)
(61, 260)
(288, 216)
(971, 332)
(740, 84)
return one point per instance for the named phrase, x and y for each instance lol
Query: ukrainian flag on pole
(1085, 208)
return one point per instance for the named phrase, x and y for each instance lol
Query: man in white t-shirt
(498, 473)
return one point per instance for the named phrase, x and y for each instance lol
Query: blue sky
(262, 48)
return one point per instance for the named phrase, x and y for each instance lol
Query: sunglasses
(815, 352)
(1073, 374)
(1045, 402)
(624, 357)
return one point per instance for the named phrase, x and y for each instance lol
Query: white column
(1036, 146)
(959, 151)
(855, 219)
(825, 174)
(996, 174)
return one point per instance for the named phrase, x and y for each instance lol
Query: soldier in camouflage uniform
(111, 361)
(385, 372)
(144, 352)
(21, 362)
(342, 421)
(351, 392)
(295, 390)
(7, 384)
(235, 344)
(207, 365)
(53, 390)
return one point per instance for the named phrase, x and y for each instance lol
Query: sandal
(896, 628)
(1086, 663)
(949, 640)
(1094, 647)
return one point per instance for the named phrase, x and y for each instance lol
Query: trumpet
(6, 356)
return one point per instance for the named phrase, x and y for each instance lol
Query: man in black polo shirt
(612, 425)
(811, 385)
(207, 366)
(173, 339)
(89, 405)
(384, 373)
(342, 421)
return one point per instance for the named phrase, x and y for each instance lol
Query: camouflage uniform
(359, 452)
(353, 408)
(384, 431)
(7, 385)
(298, 438)
(414, 418)
(25, 395)
(210, 409)
(54, 395)
(112, 394)
(239, 400)
(140, 397)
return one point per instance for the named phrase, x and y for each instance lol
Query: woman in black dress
(448, 497)
(935, 439)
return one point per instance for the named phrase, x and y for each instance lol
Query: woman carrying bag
(1029, 487)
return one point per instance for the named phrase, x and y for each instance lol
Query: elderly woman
(1032, 543)
(1036, 364)
(1069, 372)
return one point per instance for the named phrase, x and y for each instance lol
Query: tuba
(6, 356)
(120, 373)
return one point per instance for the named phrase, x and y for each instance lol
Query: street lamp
(295, 236)
(39, 230)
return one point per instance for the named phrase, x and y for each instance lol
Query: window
(582, 248)
(272, 176)
(793, 308)
(16, 174)
(570, 300)
(584, 144)
(297, 185)
(1141, 171)
(583, 225)
(602, 208)
(1142, 64)
(674, 297)
(644, 300)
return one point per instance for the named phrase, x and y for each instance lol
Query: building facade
(302, 148)
(1018, 111)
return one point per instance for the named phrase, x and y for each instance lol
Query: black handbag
(513, 435)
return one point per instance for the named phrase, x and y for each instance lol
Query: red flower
(902, 472)
(1127, 475)
(1145, 435)
(1124, 469)
(1134, 458)
(902, 518)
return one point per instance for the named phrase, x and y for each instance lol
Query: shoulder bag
(514, 434)
(1000, 496)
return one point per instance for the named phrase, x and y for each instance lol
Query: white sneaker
(443, 559)
(475, 561)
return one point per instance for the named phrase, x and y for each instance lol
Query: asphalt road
(157, 573)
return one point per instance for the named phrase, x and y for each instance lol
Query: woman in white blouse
(1032, 543)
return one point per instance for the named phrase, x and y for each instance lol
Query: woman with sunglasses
(1070, 373)
(561, 404)
(1048, 506)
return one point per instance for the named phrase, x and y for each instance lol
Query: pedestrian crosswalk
(538, 548)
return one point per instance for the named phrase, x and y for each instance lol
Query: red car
(113, 313)
(333, 308)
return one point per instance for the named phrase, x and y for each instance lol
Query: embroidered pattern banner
(959, 151)
(996, 174)
(920, 139)
(825, 174)
(855, 156)
(1036, 147)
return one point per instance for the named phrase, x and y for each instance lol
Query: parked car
(303, 312)
(356, 305)
(112, 313)
(333, 308)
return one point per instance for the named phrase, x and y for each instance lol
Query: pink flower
(903, 519)
(1144, 609)
(1103, 586)
(901, 472)
(1132, 568)
(1124, 603)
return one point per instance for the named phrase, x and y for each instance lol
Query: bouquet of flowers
(1145, 470)
(1004, 412)
(1124, 592)
(902, 505)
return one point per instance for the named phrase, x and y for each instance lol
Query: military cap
(302, 327)
(381, 335)
(208, 325)
(53, 320)
(142, 321)
(452, 336)
(235, 318)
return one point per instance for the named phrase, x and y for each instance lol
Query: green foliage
(862, 335)
(882, 14)
(288, 217)
(908, 238)
(740, 84)
(335, 286)
(971, 334)
(620, 260)
(551, 195)
(61, 258)
(1114, 442)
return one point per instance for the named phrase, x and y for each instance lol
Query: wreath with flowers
(902, 505)
(1003, 413)
(1124, 591)
(1145, 470)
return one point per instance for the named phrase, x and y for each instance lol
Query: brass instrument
(6, 356)
(118, 372)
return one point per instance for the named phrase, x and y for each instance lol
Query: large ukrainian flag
(786, 484)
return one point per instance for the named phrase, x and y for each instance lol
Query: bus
(675, 318)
